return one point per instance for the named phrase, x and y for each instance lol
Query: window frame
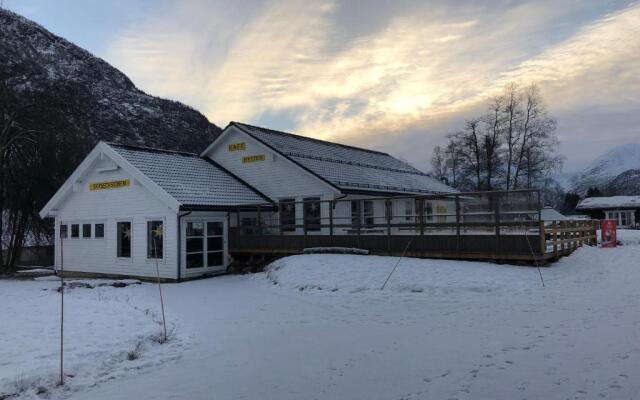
(408, 210)
(118, 256)
(95, 230)
(66, 231)
(82, 231)
(315, 227)
(291, 228)
(164, 235)
(77, 236)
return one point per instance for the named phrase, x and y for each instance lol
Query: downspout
(179, 260)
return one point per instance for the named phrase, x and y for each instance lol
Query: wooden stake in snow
(397, 263)
(61, 310)
(158, 233)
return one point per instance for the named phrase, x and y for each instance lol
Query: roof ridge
(151, 149)
(320, 158)
(326, 142)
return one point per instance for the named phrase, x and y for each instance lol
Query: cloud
(413, 75)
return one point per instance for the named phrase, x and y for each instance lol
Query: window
(288, 215)
(624, 218)
(75, 230)
(204, 248)
(98, 231)
(215, 244)
(64, 231)
(408, 210)
(311, 212)
(365, 215)
(428, 210)
(388, 209)
(355, 213)
(123, 232)
(86, 231)
(195, 244)
(155, 239)
(368, 213)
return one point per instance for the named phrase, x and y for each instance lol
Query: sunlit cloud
(414, 75)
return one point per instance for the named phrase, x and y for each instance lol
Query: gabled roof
(347, 168)
(195, 182)
(180, 180)
(591, 203)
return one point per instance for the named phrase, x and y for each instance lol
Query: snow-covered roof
(348, 167)
(191, 180)
(549, 214)
(591, 203)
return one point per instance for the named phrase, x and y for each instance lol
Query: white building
(623, 209)
(126, 208)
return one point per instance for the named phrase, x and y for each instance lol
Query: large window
(408, 210)
(311, 213)
(155, 239)
(288, 215)
(75, 231)
(205, 245)
(367, 212)
(123, 232)
(86, 231)
(362, 213)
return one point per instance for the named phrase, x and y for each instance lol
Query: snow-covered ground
(319, 327)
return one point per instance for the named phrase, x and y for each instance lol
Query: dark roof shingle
(348, 167)
(190, 179)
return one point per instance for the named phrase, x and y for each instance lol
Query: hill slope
(612, 172)
(42, 67)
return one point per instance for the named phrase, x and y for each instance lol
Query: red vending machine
(608, 229)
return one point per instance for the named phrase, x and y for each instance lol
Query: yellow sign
(238, 146)
(109, 185)
(250, 159)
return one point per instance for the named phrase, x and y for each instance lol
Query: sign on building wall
(255, 158)
(109, 185)
(242, 146)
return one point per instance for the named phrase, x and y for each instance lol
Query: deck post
(554, 235)
(331, 204)
(387, 208)
(421, 219)
(360, 214)
(238, 220)
(259, 221)
(563, 236)
(457, 223)
(496, 208)
(543, 239)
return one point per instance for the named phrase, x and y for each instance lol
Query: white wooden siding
(276, 176)
(134, 203)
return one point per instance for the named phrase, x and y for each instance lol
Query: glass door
(194, 245)
(215, 244)
(204, 245)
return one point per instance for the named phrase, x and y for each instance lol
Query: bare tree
(438, 164)
(513, 145)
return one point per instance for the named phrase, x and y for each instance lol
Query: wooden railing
(560, 238)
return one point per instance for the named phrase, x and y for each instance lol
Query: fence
(500, 225)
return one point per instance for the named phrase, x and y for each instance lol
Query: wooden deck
(501, 226)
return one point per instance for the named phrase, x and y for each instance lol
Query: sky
(396, 76)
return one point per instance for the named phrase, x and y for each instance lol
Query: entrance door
(204, 249)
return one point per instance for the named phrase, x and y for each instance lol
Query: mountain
(42, 68)
(616, 172)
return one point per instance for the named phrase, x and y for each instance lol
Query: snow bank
(356, 273)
